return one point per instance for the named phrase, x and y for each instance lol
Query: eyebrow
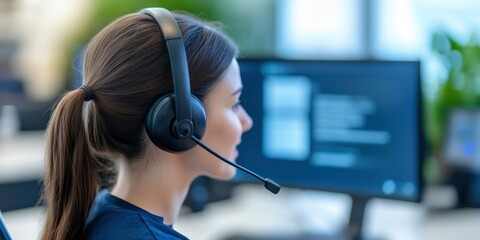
(237, 92)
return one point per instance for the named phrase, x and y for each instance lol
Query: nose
(246, 120)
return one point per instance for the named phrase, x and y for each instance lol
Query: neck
(159, 187)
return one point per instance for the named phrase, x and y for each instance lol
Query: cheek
(224, 132)
(224, 124)
(230, 127)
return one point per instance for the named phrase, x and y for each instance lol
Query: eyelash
(238, 104)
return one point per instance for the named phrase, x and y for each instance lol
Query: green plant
(461, 88)
(105, 11)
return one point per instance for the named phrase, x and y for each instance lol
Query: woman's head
(127, 67)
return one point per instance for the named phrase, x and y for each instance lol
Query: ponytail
(70, 180)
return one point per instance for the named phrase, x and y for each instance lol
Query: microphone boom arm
(269, 184)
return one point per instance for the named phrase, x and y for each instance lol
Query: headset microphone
(269, 184)
(177, 121)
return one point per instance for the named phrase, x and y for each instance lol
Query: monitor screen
(343, 126)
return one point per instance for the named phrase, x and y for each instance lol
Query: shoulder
(112, 218)
(118, 225)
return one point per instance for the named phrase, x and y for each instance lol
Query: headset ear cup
(160, 119)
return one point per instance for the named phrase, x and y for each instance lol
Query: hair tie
(89, 93)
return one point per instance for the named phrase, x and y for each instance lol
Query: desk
(296, 212)
(293, 212)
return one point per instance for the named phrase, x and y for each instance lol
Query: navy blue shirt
(115, 218)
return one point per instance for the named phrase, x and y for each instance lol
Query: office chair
(4, 235)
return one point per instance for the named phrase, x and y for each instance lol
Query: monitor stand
(352, 232)
(355, 224)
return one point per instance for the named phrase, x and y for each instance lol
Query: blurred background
(40, 41)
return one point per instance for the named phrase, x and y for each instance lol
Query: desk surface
(255, 212)
(296, 212)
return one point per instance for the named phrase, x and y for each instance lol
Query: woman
(126, 69)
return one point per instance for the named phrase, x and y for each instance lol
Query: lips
(235, 151)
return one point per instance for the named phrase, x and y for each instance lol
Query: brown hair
(127, 67)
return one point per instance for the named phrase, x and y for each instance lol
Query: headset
(183, 112)
(177, 121)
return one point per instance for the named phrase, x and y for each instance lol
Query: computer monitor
(461, 155)
(343, 126)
